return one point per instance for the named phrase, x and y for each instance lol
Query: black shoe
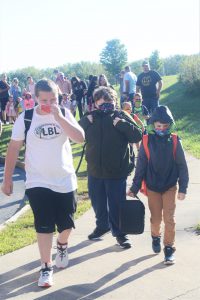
(97, 233)
(156, 244)
(169, 255)
(123, 242)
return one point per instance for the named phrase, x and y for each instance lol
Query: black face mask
(106, 106)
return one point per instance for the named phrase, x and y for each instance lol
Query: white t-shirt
(132, 78)
(48, 156)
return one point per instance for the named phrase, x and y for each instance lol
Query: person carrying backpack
(161, 164)
(50, 176)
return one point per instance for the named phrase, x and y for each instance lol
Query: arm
(86, 121)
(127, 86)
(70, 126)
(138, 89)
(131, 132)
(11, 158)
(182, 169)
(160, 84)
(140, 172)
(70, 87)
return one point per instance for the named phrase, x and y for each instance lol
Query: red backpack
(145, 139)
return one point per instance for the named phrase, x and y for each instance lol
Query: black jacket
(162, 171)
(107, 151)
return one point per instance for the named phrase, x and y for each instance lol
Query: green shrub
(190, 73)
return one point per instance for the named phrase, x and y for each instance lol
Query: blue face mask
(106, 106)
(162, 132)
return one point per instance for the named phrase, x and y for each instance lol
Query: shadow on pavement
(89, 291)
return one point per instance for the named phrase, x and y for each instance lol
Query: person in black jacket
(165, 166)
(107, 155)
(79, 89)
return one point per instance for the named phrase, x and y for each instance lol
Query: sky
(50, 33)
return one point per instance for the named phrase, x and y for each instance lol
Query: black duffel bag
(132, 215)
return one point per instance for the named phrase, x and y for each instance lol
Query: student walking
(107, 156)
(50, 177)
(161, 164)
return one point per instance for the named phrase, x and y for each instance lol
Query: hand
(181, 196)
(7, 188)
(56, 111)
(116, 120)
(130, 193)
(90, 118)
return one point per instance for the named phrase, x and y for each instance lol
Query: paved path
(10, 205)
(101, 270)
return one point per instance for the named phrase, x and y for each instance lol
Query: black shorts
(52, 209)
(3, 103)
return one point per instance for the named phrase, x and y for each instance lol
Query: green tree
(190, 73)
(172, 64)
(136, 66)
(113, 57)
(155, 61)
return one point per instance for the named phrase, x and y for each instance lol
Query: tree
(114, 57)
(155, 61)
(172, 64)
(136, 66)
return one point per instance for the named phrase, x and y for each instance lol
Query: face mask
(162, 132)
(138, 103)
(106, 107)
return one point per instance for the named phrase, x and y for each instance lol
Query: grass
(22, 233)
(186, 111)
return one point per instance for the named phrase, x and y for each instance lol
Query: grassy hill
(186, 111)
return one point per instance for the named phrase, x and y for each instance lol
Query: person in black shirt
(149, 82)
(91, 87)
(4, 96)
(79, 89)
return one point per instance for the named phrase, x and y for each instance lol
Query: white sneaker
(61, 256)
(46, 276)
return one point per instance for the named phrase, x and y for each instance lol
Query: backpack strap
(145, 139)
(28, 115)
(175, 141)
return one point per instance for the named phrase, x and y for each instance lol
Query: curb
(15, 216)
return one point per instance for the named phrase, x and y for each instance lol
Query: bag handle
(135, 198)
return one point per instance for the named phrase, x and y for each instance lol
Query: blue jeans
(106, 196)
(151, 104)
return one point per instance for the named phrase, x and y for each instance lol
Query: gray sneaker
(61, 259)
(46, 276)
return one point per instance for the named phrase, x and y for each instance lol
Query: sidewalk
(101, 270)
(10, 205)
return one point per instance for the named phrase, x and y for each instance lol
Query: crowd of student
(109, 133)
